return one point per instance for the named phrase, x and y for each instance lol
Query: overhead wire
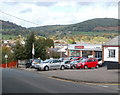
(19, 18)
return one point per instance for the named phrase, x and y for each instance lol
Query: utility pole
(33, 51)
(61, 51)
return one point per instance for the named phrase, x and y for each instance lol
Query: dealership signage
(79, 47)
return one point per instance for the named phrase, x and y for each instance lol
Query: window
(94, 60)
(90, 60)
(55, 61)
(67, 62)
(111, 53)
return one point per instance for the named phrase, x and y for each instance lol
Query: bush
(7, 51)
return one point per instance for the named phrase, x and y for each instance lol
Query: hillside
(10, 25)
(9, 28)
(89, 25)
(85, 26)
(92, 25)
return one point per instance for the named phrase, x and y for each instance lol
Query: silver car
(50, 64)
(67, 64)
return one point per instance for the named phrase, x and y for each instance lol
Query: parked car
(67, 58)
(67, 64)
(29, 63)
(100, 61)
(32, 62)
(50, 64)
(88, 63)
(76, 58)
(73, 64)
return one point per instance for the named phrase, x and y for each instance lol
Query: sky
(56, 12)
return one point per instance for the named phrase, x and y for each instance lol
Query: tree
(49, 43)
(7, 51)
(19, 51)
(40, 48)
(28, 46)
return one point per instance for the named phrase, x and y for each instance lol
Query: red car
(88, 63)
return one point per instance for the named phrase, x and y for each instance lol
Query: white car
(100, 61)
(50, 64)
(67, 64)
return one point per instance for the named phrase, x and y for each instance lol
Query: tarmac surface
(100, 75)
(16, 81)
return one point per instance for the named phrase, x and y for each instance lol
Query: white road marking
(105, 86)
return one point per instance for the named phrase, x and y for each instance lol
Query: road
(19, 81)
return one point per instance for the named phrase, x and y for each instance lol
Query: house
(111, 53)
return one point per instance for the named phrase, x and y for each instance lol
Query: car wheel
(62, 68)
(86, 67)
(46, 68)
(73, 67)
(38, 69)
(97, 66)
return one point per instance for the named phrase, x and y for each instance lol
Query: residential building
(111, 53)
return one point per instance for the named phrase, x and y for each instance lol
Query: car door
(95, 62)
(89, 63)
(51, 65)
(57, 64)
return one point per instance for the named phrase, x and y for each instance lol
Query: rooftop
(115, 41)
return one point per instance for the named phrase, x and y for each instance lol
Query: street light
(6, 57)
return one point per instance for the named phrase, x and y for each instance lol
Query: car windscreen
(84, 60)
(67, 62)
(46, 61)
(74, 58)
(73, 62)
(37, 60)
(78, 61)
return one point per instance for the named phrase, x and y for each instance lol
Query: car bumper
(79, 66)
(67, 66)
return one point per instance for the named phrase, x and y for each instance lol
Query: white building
(111, 52)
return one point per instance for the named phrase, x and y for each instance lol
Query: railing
(9, 65)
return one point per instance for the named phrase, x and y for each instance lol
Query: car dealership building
(84, 50)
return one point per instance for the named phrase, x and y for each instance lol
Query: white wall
(106, 54)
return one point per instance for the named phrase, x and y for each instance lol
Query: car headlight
(78, 64)
(83, 63)
(42, 66)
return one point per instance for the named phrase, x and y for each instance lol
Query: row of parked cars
(64, 63)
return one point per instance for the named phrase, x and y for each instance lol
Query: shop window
(111, 53)
(74, 53)
(98, 54)
(86, 53)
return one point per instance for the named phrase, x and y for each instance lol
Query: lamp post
(6, 57)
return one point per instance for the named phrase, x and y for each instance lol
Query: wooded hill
(9, 28)
(92, 25)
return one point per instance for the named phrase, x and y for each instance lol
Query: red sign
(79, 47)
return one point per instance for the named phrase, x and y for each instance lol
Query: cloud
(58, 12)
(46, 4)
(11, 3)
(26, 10)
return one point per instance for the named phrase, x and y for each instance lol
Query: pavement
(100, 75)
(16, 82)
